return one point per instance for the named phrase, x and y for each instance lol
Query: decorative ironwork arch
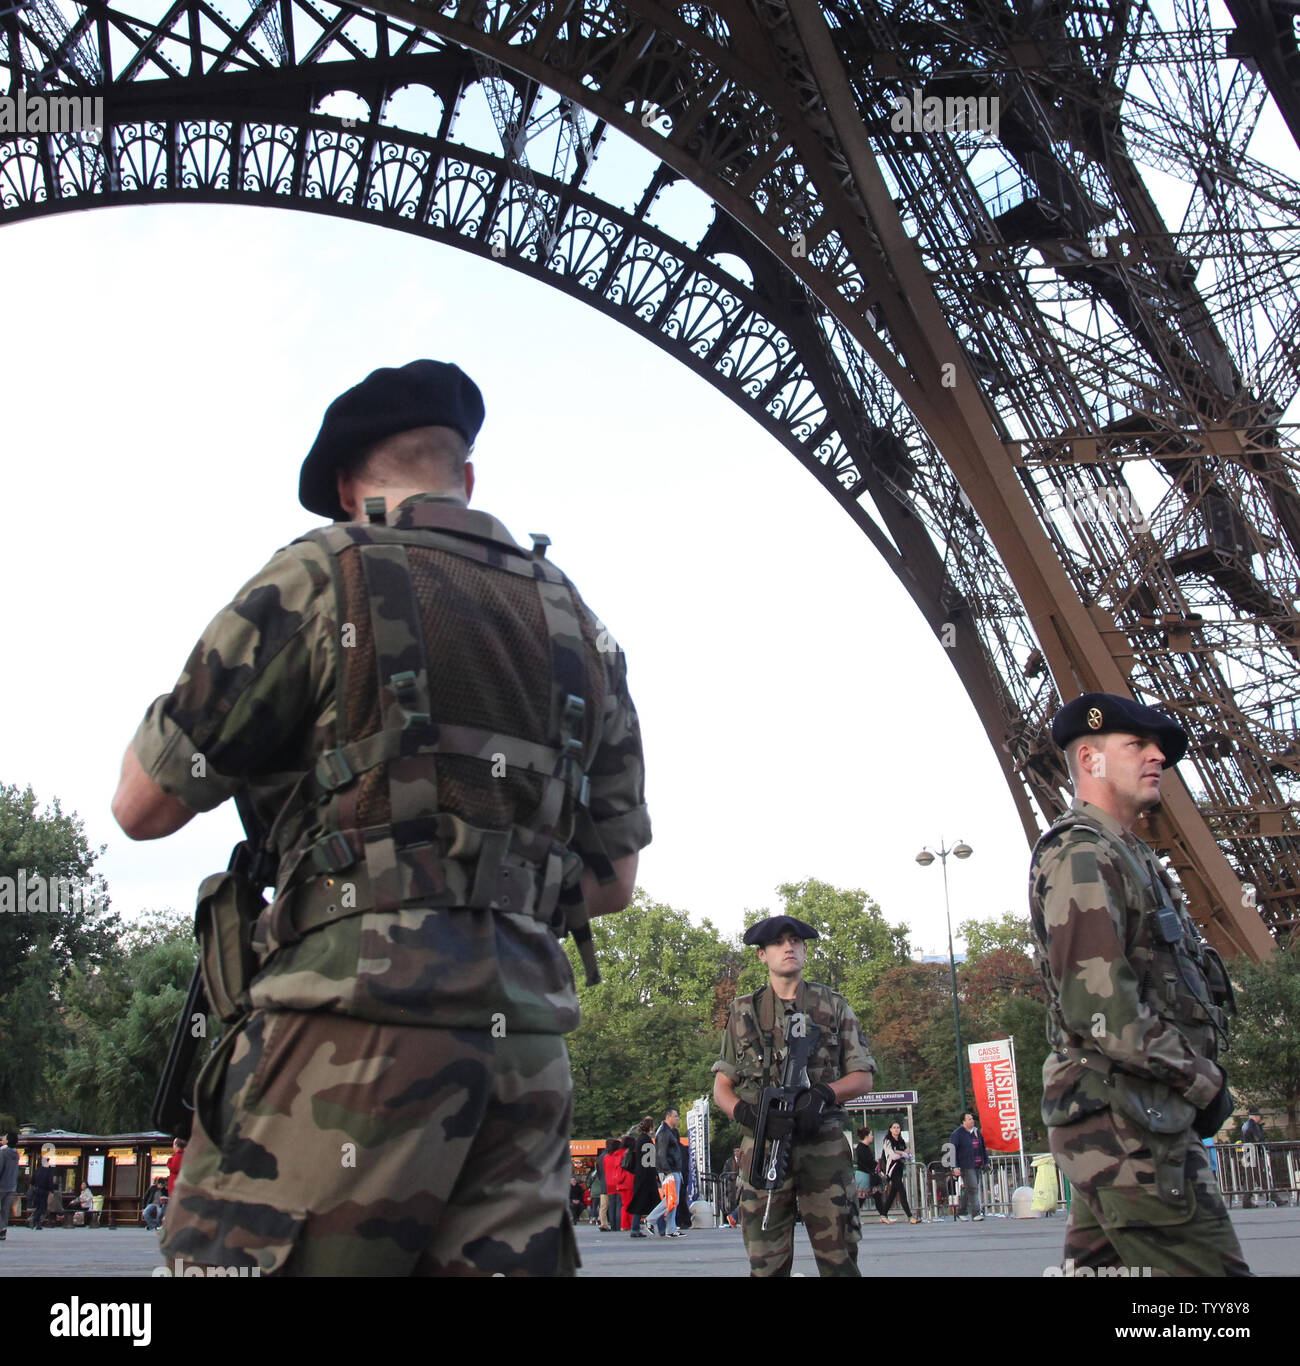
(970, 336)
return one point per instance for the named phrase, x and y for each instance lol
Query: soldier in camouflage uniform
(753, 1054)
(1136, 1011)
(437, 734)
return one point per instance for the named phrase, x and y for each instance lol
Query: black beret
(1100, 713)
(425, 393)
(765, 931)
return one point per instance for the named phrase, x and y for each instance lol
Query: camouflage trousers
(821, 1180)
(329, 1145)
(1117, 1218)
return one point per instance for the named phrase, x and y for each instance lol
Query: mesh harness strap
(479, 868)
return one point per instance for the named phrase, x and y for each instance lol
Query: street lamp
(925, 858)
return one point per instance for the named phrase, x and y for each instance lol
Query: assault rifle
(173, 1111)
(767, 1169)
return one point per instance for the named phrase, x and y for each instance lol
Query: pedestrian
(597, 1189)
(894, 1156)
(577, 1195)
(639, 1167)
(437, 734)
(612, 1204)
(175, 1160)
(970, 1157)
(729, 1188)
(86, 1202)
(668, 1164)
(43, 1185)
(1137, 1008)
(8, 1180)
(152, 1210)
(1255, 1159)
(753, 1053)
(866, 1170)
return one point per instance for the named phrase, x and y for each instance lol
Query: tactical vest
(761, 1051)
(1180, 977)
(456, 780)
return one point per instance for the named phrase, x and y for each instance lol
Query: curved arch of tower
(1019, 288)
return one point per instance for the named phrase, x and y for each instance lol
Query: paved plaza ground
(996, 1247)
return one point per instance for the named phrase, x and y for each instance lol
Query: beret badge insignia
(1094, 718)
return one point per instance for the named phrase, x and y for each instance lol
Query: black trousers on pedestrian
(894, 1188)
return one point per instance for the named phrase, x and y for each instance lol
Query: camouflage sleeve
(1085, 897)
(726, 1063)
(855, 1055)
(618, 822)
(257, 675)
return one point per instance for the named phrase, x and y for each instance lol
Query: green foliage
(121, 1019)
(649, 1031)
(650, 954)
(1263, 1059)
(39, 951)
(1008, 931)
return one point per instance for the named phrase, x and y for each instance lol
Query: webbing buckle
(574, 708)
(334, 853)
(403, 686)
(333, 770)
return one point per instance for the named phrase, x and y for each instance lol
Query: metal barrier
(1252, 1174)
(1249, 1173)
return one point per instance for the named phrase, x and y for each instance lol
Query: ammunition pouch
(1167, 1118)
(227, 909)
(1151, 1104)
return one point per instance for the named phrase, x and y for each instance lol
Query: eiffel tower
(1015, 282)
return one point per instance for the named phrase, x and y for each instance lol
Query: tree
(649, 1031)
(39, 948)
(1009, 931)
(121, 1018)
(1263, 1058)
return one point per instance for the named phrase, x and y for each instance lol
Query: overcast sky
(166, 370)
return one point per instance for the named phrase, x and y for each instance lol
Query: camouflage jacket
(257, 707)
(753, 1043)
(1126, 1007)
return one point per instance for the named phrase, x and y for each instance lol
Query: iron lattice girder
(904, 262)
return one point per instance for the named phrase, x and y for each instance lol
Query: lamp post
(925, 858)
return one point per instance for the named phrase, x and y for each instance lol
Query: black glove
(1216, 1114)
(745, 1114)
(810, 1107)
(779, 1126)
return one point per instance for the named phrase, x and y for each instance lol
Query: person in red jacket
(175, 1160)
(612, 1158)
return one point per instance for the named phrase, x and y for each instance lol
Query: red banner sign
(997, 1100)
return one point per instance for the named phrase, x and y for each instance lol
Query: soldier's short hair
(435, 456)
